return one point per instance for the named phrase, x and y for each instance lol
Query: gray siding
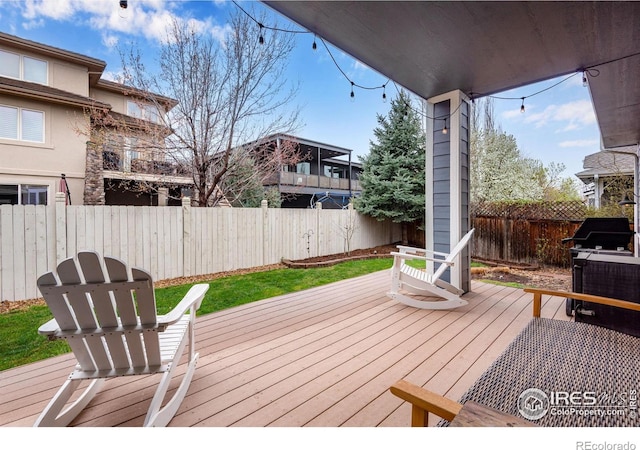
(464, 191)
(441, 179)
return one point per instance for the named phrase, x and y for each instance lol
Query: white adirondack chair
(109, 319)
(426, 283)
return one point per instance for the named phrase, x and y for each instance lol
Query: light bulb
(314, 46)
(522, 106)
(445, 130)
(584, 79)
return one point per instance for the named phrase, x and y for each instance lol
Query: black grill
(599, 235)
(602, 233)
(602, 264)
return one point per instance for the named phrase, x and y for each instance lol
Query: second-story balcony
(134, 165)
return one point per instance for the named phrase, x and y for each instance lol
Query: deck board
(322, 357)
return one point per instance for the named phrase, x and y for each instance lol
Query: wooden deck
(322, 357)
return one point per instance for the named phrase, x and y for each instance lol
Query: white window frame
(20, 127)
(21, 68)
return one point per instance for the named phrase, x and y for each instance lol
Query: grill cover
(609, 233)
(608, 276)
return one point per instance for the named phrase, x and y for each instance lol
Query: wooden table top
(474, 414)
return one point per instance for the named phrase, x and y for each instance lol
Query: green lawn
(21, 343)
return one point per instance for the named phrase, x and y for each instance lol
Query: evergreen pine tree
(393, 173)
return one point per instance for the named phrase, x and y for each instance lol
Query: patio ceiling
(484, 48)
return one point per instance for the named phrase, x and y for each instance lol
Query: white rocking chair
(109, 320)
(424, 283)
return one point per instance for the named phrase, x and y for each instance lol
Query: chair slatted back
(101, 303)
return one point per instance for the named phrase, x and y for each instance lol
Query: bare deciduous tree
(229, 92)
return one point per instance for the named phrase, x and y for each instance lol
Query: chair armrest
(538, 293)
(422, 258)
(192, 299)
(49, 328)
(425, 402)
(405, 249)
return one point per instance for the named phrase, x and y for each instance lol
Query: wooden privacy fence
(523, 241)
(526, 233)
(173, 241)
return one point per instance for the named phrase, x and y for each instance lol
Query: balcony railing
(113, 161)
(315, 181)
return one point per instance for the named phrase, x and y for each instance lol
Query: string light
(445, 130)
(591, 71)
(314, 46)
(123, 9)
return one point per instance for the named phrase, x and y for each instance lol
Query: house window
(143, 111)
(130, 153)
(303, 168)
(9, 64)
(25, 68)
(334, 172)
(23, 194)
(34, 70)
(21, 124)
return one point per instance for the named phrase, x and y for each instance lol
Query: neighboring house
(57, 116)
(603, 168)
(326, 174)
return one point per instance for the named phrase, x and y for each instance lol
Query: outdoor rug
(564, 374)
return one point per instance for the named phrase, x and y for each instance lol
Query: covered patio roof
(483, 48)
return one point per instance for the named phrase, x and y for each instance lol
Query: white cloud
(109, 40)
(33, 24)
(568, 116)
(112, 76)
(579, 143)
(59, 10)
(357, 65)
(147, 18)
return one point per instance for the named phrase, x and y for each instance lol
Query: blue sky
(558, 125)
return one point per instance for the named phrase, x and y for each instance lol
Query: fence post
(61, 227)
(264, 205)
(186, 236)
(319, 229)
